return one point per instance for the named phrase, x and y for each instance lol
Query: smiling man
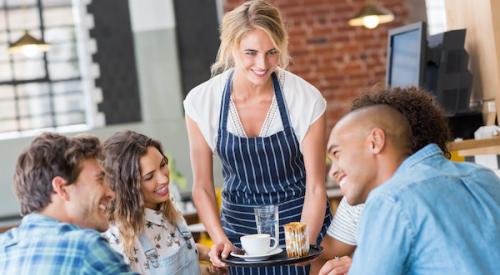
(428, 125)
(423, 214)
(386, 127)
(60, 186)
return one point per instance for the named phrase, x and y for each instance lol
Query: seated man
(424, 213)
(428, 125)
(63, 198)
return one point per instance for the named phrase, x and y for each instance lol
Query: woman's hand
(220, 250)
(336, 266)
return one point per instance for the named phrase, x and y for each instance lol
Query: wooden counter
(472, 147)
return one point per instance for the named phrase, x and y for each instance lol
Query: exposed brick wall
(340, 60)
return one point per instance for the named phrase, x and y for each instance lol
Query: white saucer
(255, 258)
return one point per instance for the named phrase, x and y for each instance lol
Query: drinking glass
(267, 220)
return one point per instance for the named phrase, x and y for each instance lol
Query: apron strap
(224, 108)
(281, 101)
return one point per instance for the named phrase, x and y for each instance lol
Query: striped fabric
(42, 245)
(261, 171)
(344, 226)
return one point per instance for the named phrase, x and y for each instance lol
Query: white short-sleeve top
(303, 101)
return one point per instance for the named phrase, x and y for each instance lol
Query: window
(43, 91)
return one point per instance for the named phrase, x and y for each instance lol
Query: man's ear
(59, 185)
(377, 140)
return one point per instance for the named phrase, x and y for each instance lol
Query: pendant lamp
(370, 16)
(28, 45)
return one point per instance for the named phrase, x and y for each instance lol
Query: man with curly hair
(428, 125)
(421, 209)
(63, 197)
(426, 118)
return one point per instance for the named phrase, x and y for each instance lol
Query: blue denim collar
(428, 151)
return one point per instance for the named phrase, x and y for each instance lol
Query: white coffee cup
(258, 244)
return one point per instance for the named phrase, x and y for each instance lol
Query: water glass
(267, 220)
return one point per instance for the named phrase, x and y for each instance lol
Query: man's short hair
(427, 119)
(48, 156)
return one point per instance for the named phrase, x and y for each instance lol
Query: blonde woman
(146, 227)
(267, 126)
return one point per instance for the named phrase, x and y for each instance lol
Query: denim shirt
(434, 216)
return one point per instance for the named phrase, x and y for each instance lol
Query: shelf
(474, 147)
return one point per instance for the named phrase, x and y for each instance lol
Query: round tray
(278, 259)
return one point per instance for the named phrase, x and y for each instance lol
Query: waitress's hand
(336, 266)
(220, 250)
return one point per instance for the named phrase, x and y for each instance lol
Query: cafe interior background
(110, 65)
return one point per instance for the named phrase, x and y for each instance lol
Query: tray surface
(278, 259)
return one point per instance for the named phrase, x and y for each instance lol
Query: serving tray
(278, 259)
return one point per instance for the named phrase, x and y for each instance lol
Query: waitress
(267, 126)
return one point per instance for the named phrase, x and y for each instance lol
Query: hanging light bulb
(370, 16)
(370, 21)
(28, 45)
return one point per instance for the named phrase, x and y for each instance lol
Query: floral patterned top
(161, 233)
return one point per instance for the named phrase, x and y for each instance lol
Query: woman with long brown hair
(146, 227)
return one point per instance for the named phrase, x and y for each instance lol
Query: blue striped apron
(261, 171)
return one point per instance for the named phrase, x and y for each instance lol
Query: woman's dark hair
(122, 154)
(425, 116)
(48, 156)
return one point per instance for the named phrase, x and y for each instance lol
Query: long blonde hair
(122, 153)
(243, 19)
